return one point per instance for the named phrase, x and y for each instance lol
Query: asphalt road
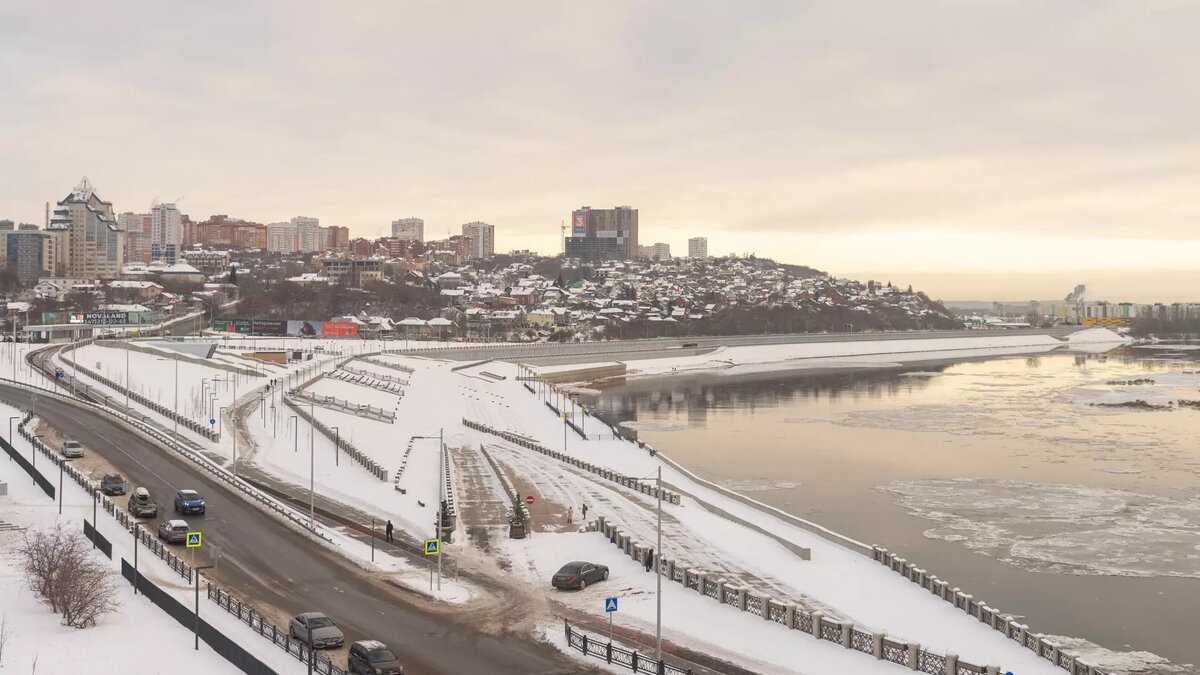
(264, 560)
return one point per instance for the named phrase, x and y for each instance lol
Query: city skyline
(979, 153)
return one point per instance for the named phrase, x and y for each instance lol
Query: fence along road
(266, 560)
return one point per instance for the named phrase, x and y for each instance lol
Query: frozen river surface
(1064, 487)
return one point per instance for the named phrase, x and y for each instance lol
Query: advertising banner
(102, 318)
(304, 328)
(268, 327)
(232, 325)
(579, 224)
(339, 329)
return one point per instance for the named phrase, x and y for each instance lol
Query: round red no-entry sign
(529, 500)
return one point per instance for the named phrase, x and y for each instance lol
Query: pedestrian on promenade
(585, 511)
(570, 514)
(388, 531)
(649, 559)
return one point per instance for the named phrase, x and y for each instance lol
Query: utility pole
(196, 573)
(441, 500)
(658, 569)
(312, 481)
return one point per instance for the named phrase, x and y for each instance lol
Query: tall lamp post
(437, 523)
(10, 421)
(33, 451)
(336, 444)
(176, 415)
(196, 625)
(312, 481)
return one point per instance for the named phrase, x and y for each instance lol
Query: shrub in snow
(63, 572)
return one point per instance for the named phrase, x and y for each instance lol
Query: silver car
(72, 449)
(325, 633)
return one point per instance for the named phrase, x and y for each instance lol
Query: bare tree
(5, 634)
(63, 572)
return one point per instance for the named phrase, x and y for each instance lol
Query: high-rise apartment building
(482, 245)
(166, 233)
(95, 244)
(26, 250)
(603, 234)
(655, 251)
(137, 228)
(409, 229)
(698, 247)
(281, 238)
(221, 231)
(309, 238)
(337, 238)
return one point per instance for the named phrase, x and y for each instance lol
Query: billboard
(579, 224)
(268, 327)
(339, 329)
(232, 325)
(101, 318)
(304, 328)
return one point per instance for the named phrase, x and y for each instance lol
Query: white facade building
(166, 232)
(309, 238)
(698, 247)
(483, 240)
(409, 229)
(281, 238)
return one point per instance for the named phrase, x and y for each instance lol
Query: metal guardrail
(334, 403)
(157, 407)
(1003, 623)
(387, 364)
(196, 458)
(619, 656)
(343, 444)
(603, 472)
(377, 376)
(369, 381)
(247, 614)
(128, 522)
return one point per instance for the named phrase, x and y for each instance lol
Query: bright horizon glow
(986, 152)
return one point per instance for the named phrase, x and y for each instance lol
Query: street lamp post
(658, 569)
(336, 444)
(196, 625)
(176, 415)
(10, 421)
(295, 434)
(33, 452)
(437, 523)
(312, 480)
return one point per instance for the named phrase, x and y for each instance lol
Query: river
(1033, 483)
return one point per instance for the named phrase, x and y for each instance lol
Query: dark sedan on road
(189, 501)
(372, 657)
(325, 633)
(113, 484)
(173, 531)
(579, 575)
(141, 505)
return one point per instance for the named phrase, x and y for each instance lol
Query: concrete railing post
(741, 594)
(992, 670)
(701, 582)
(721, 590)
(877, 647)
(789, 616)
(847, 634)
(951, 665)
(816, 624)
(766, 601)
(911, 650)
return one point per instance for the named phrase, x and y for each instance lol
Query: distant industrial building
(603, 234)
(698, 247)
(409, 229)
(482, 245)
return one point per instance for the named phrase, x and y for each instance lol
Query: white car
(72, 449)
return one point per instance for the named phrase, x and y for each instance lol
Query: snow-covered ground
(139, 637)
(836, 580)
(861, 354)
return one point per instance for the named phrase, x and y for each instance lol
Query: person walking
(570, 514)
(585, 511)
(388, 531)
(649, 559)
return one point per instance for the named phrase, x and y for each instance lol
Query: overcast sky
(980, 150)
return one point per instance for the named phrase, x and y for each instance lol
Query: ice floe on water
(951, 419)
(1118, 663)
(653, 425)
(1063, 528)
(760, 484)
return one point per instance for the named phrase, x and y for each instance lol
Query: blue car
(189, 501)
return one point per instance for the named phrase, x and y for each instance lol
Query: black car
(579, 575)
(372, 657)
(113, 484)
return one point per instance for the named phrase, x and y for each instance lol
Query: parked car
(141, 505)
(325, 633)
(578, 575)
(173, 531)
(72, 449)
(372, 657)
(689, 345)
(189, 501)
(113, 484)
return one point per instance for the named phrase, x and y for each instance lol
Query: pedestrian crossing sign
(610, 604)
(193, 540)
(432, 547)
